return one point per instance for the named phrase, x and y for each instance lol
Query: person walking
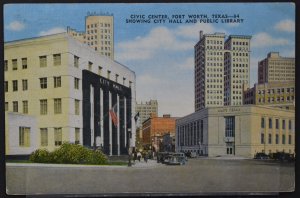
(146, 157)
(139, 155)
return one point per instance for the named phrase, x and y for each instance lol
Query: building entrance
(230, 149)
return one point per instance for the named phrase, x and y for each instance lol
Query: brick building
(155, 127)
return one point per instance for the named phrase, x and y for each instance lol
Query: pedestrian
(133, 157)
(139, 155)
(146, 157)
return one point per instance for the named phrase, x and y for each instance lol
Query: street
(199, 175)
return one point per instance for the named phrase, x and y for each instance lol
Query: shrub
(40, 156)
(70, 154)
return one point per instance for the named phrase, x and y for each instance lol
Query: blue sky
(162, 54)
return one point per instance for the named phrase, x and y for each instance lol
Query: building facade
(275, 68)
(98, 34)
(237, 69)
(69, 88)
(221, 69)
(155, 127)
(239, 130)
(145, 110)
(276, 94)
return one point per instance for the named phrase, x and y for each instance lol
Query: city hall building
(236, 130)
(58, 89)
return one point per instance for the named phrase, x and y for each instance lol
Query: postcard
(149, 98)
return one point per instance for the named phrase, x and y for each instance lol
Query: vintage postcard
(149, 98)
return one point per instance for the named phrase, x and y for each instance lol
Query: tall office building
(237, 68)
(275, 68)
(98, 34)
(209, 70)
(221, 69)
(146, 109)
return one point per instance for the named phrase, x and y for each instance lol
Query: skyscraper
(98, 34)
(221, 69)
(237, 68)
(146, 109)
(209, 70)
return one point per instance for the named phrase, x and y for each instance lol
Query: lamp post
(199, 147)
(129, 148)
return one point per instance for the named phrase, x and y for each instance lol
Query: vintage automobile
(176, 159)
(261, 156)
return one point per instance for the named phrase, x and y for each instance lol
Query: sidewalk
(143, 164)
(229, 157)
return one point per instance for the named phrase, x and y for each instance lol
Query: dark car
(261, 156)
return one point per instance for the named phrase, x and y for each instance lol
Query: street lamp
(199, 147)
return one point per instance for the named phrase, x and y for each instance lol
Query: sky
(162, 54)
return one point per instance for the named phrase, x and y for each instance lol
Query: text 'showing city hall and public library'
(67, 87)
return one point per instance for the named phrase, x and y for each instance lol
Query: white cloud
(263, 39)
(161, 38)
(286, 25)
(15, 26)
(188, 63)
(54, 30)
(143, 48)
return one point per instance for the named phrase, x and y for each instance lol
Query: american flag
(113, 115)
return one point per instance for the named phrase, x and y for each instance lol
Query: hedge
(69, 154)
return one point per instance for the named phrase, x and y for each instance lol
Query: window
(6, 106)
(43, 83)
(57, 81)
(108, 74)
(24, 84)
(56, 59)
(76, 61)
(5, 65)
(24, 136)
(15, 106)
(77, 107)
(262, 123)
(229, 126)
(24, 63)
(277, 124)
(270, 123)
(43, 107)
(124, 79)
(15, 85)
(6, 86)
(283, 124)
(283, 139)
(290, 139)
(25, 107)
(57, 105)
(76, 83)
(290, 125)
(57, 136)
(262, 138)
(99, 70)
(44, 136)
(43, 61)
(270, 138)
(117, 76)
(77, 135)
(277, 139)
(90, 66)
(14, 64)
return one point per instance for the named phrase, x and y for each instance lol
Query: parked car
(281, 156)
(261, 156)
(176, 159)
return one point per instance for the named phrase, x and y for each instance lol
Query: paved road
(201, 175)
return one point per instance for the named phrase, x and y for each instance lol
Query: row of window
(43, 83)
(262, 139)
(24, 136)
(43, 106)
(276, 123)
(190, 134)
(42, 61)
(278, 99)
(95, 25)
(278, 90)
